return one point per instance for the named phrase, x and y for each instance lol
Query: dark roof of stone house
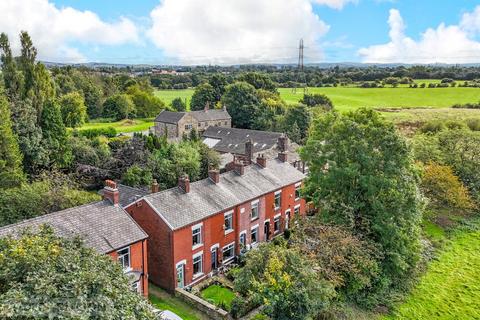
(169, 116)
(128, 194)
(232, 140)
(211, 115)
(179, 209)
(101, 225)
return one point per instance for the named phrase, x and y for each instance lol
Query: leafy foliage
(242, 103)
(118, 107)
(362, 177)
(204, 94)
(43, 276)
(137, 177)
(317, 100)
(178, 105)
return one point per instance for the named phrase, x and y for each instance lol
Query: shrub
(432, 127)
(455, 125)
(109, 132)
(473, 124)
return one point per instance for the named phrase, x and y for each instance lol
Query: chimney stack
(283, 143)
(239, 168)
(262, 161)
(249, 151)
(282, 156)
(155, 186)
(184, 183)
(111, 192)
(214, 175)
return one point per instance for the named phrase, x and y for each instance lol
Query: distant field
(168, 95)
(349, 98)
(451, 287)
(426, 114)
(122, 126)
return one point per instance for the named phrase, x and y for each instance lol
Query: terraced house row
(192, 230)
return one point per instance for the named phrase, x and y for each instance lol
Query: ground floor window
(254, 235)
(243, 240)
(228, 252)
(276, 224)
(197, 265)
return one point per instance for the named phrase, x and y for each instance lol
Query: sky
(196, 32)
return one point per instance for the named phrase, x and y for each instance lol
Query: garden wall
(202, 305)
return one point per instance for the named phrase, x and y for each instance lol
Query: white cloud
(230, 32)
(54, 29)
(336, 4)
(445, 44)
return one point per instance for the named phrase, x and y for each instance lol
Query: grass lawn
(133, 125)
(451, 287)
(350, 98)
(168, 95)
(219, 296)
(165, 301)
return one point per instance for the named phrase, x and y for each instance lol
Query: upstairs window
(254, 213)
(278, 199)
(188, 126)
(124, 257)
(297, 191)
(228, 222)
(197, 236)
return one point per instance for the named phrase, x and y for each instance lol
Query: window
(276, 224)
(278, 199)
(188, 126)
(254, 214)
(228, 222)
(254, 235)
(124, 257)
(226, 123)
(197, 265)
(296, 210)
(297, 191)
(197, 236)
(228, 252)
(243, 239)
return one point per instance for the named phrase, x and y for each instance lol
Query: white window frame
(257, 234)
(195, 256)
(229, 213)
(244, 233)
(297, 188)
(121, 258)
(295, 209)
(255, 203)
(232, 247)
(276, 218)
(288, 216)
(277, 193)
(196, 227)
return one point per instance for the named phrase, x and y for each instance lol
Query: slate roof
(233, 140)
(102, 226)
(169, 116)
(211, 115)
(128, 194)
(206, 198)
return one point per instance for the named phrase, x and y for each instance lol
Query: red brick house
(196, 228)
(105, 227)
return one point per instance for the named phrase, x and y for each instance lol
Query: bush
(473, 124)
(432, 127)
(109, 132)
(455, 125)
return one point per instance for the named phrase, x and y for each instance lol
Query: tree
(146, 104)
(55, 138)
(242, 102)
(296, 122)
(135, 176)
(202, 95)
(118, 107)
(74, 111)
(284, 282)
(317, 100)
(209, 159)
(362, 177)
(178, 105)
(11, 173)
(258, 80)
(44, 275)
(218, 83)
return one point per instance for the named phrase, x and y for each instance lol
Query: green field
(451, 287)
(168, 95)
(122, 126)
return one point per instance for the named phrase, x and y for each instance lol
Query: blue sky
(247, 31)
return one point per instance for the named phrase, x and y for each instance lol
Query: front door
(287, 219)
(214, 258)
(181, 276)
(266, 230)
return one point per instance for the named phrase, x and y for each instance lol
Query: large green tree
(119, 106)
(242, 103)
(296, 123)
(362, 176)
(317, 100)
(258, 80)
(11, 173)
(202, 95)
(74, 111)
(43, 276)
(146, 104)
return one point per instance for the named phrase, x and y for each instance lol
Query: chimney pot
(262, 161)
(214, 175)
(184, 183)
(282, 156)
(111, 193)
(155, 186)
